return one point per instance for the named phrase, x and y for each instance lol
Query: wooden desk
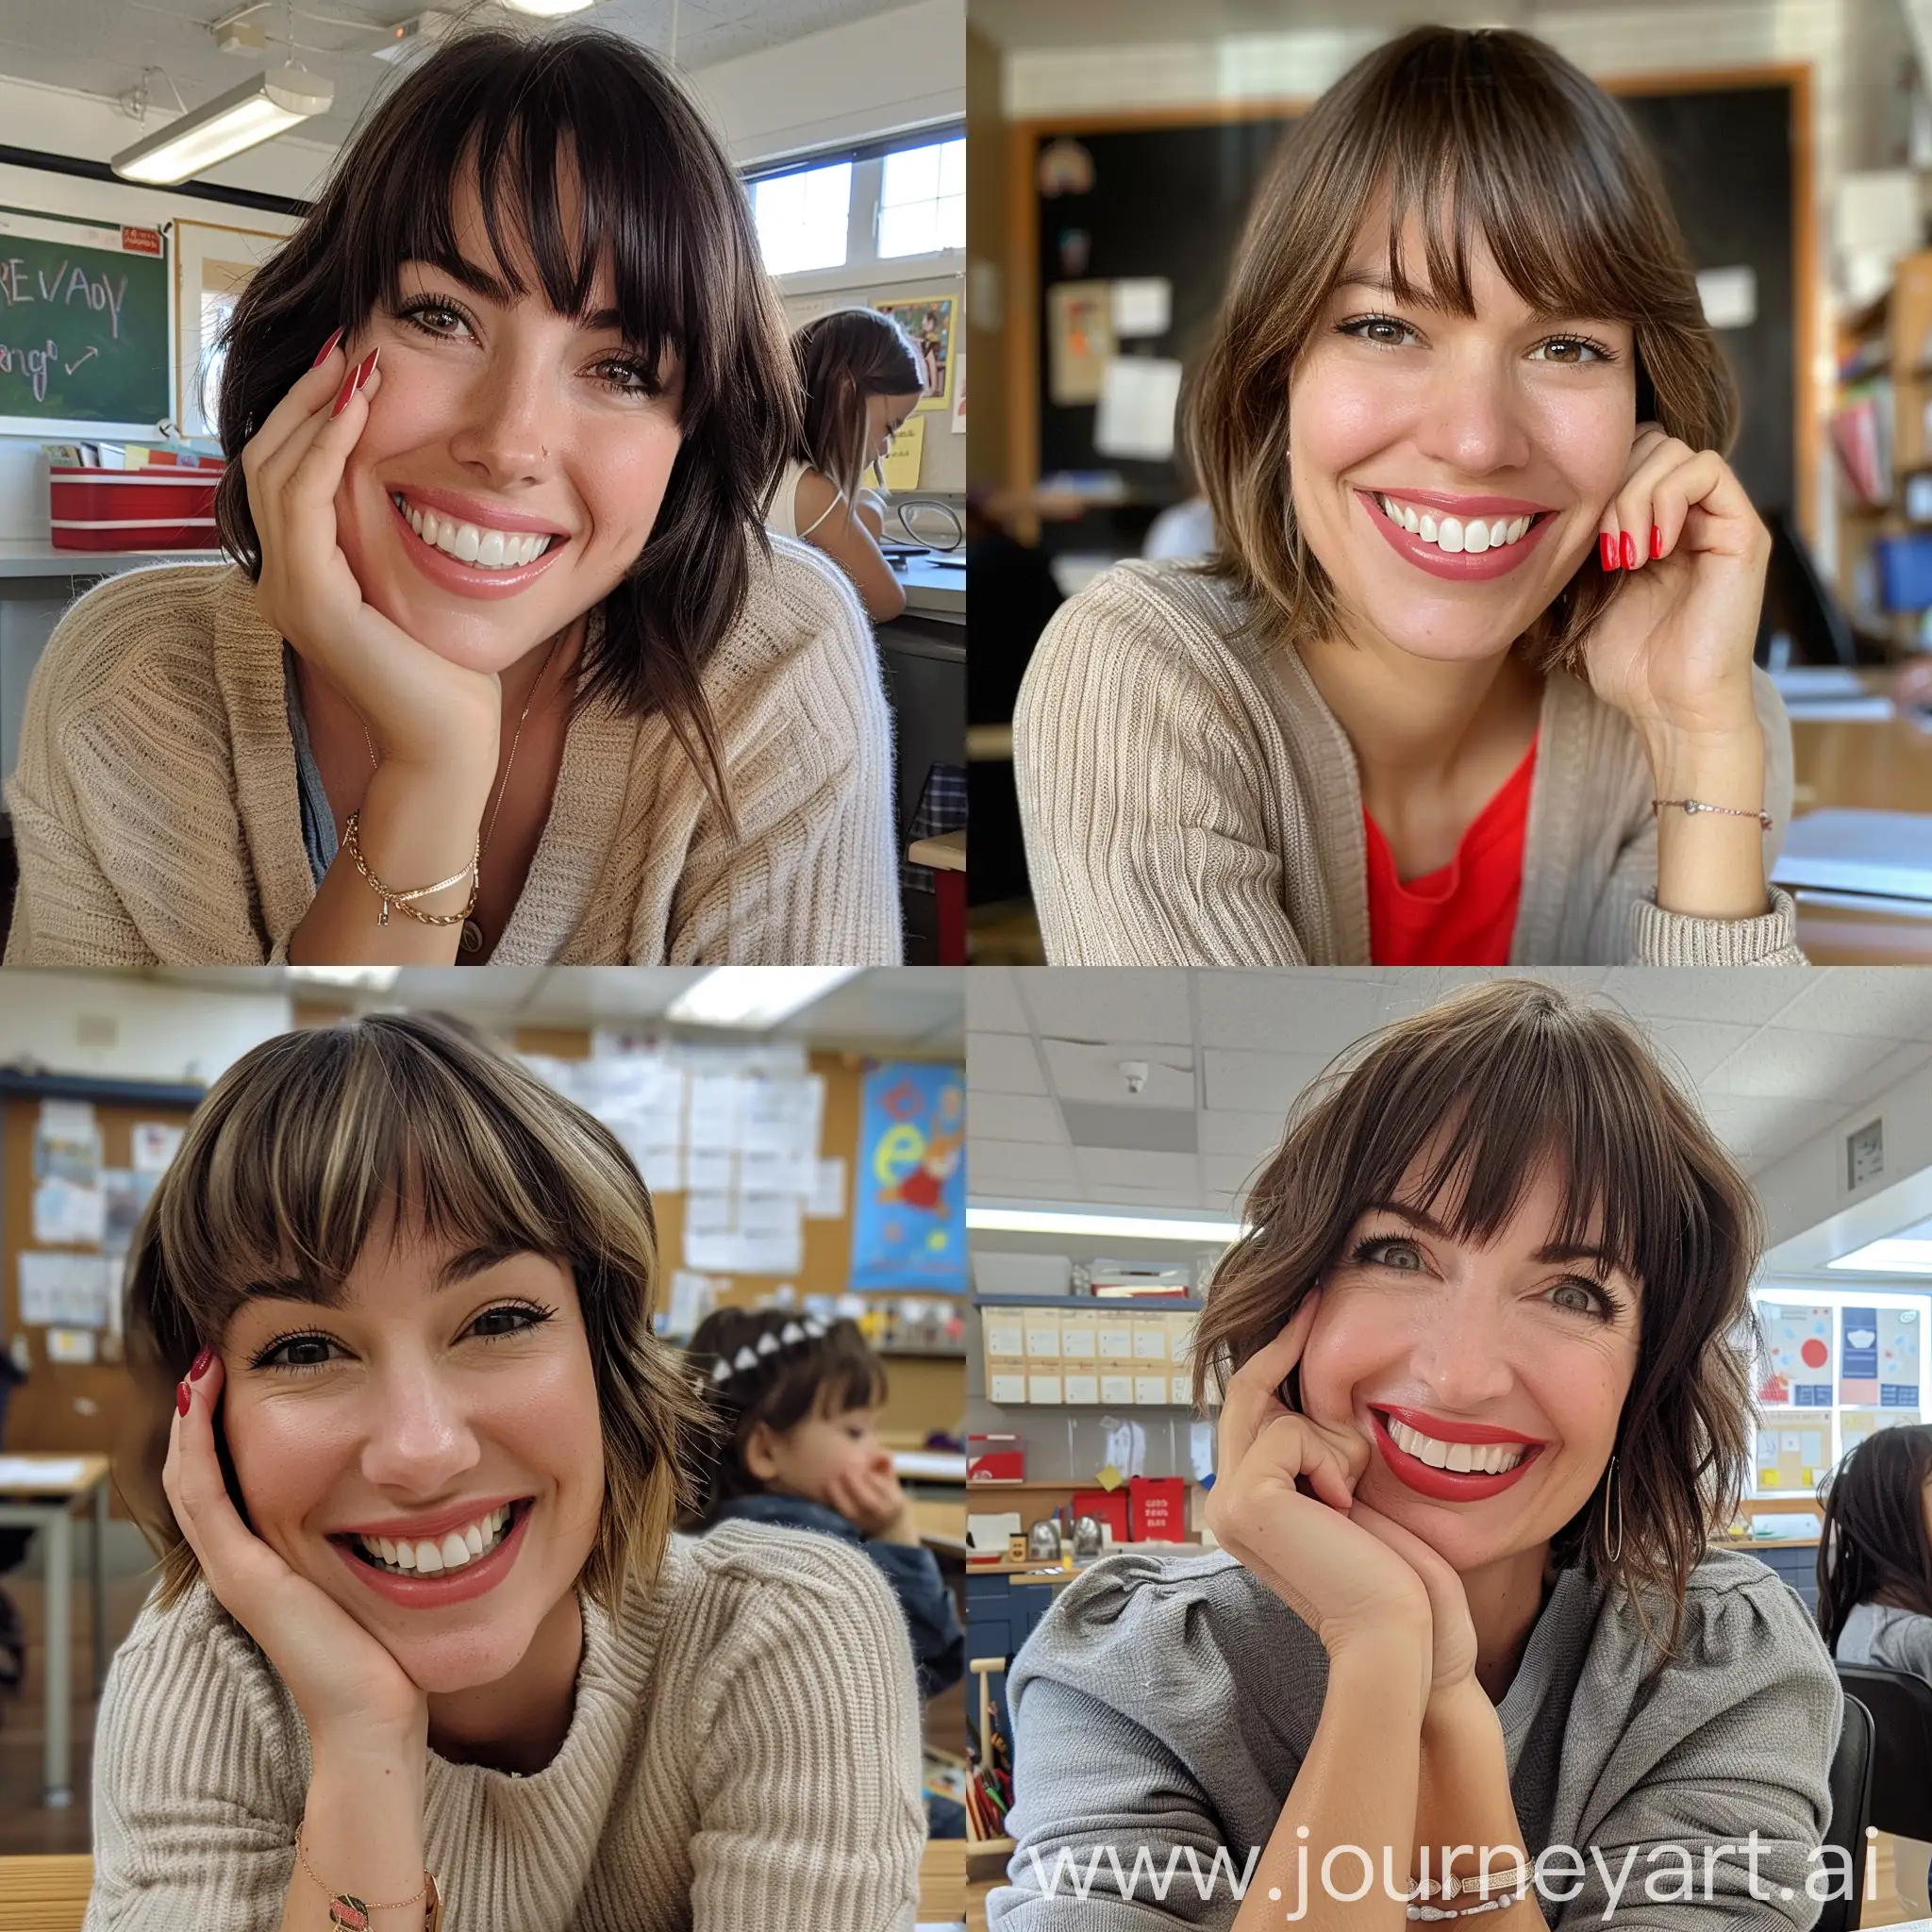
(942, 1526)
(945, 852)
(45, 1894)
(1880, 764)
(46, 1502)
(943, 1881)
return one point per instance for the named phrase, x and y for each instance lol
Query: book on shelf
(1861, 434)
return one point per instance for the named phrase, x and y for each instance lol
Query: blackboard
(83, 325)
(1170, 200)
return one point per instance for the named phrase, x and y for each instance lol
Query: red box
(1109, 1506)
(1157, 1508)
(995, 1459)
(161, 508)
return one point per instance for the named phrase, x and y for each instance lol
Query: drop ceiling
(100, 46)
(1774, 1059)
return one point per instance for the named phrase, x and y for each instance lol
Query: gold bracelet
(474, 871)
(352, 1913)
(1690, 806)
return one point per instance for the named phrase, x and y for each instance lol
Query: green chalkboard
(83, 324)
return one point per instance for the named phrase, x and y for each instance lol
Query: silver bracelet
(1494, 1905)
(1690, 806)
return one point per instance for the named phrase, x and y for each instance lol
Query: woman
(1480, 1413)
(862, 378)
(1478, 636)
(1874, 1559)
(413, 1458)
(504, 667)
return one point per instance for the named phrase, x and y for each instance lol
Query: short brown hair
(1498, 1083)
(661, 196)
(302, 1152)
(823, 1373)
(1485, 131)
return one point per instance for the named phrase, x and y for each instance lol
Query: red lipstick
(1443, 1485)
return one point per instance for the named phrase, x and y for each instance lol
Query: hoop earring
(1613, 1495)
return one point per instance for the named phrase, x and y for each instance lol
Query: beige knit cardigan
(155, 815)
(743, 1756)
(1188, 800)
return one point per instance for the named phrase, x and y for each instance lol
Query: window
(802, 218)
(923, 200)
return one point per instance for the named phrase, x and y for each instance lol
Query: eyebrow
(1552, 1252)
(453, 1273)
(1383, 284)
(479, 281)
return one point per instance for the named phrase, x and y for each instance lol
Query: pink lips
(468, 579)
(1462, 568)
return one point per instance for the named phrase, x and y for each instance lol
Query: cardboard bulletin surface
(62, 1406)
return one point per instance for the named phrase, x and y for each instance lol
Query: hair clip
(770, 1343)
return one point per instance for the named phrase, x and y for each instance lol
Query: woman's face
(496, 414)
(1437, 1350)
(883, 417)
(429, 1453)
(1490, 421)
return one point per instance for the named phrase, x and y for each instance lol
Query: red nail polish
(1607, 543)
(323, 353)
(198, 1368)
(182, 1398)
(353, 380)
(1629, 551)
(1656, 541)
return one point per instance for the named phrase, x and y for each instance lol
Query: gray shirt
(1171, 1703)
(1883, 1639)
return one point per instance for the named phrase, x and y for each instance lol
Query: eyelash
(536, 1312)
(1608, 1307)
(1603, 350)
(411, 312)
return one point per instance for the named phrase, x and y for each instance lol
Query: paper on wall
(71, 1345)
(784, 1116)
(711, 1171)
(1142, 306)
(1138, 395)
(1127, 1445)
(66, 1290)
(717, 1110)
(707, 1213)
(692, 1297)
(906, 455)
(67, 1143)
(155, 1143)
(1730, 296)
(127, 1191)
(69, 1212)
(771, 1235)
(827, 1198)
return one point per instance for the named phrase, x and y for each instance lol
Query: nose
(506, 420)
(1460, 1349)
(418, 1440)
(1473, 419)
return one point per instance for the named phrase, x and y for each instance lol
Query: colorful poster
(1858, 1370)
(1899, 1339)
(909, 1191)
(1800, 1366)
(929, 321)
(1855, 1424)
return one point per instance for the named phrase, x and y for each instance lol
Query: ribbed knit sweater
(743, 1756)
(156, 819)
(1190, 800)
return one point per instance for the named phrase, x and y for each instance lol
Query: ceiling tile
(1109, 1003)
(1117, 1194)
(1698, 1046)
(999, 1167)
(1223, 1131)
(1864, 999)
(1259, 1082)
(1755, 997)
(1779, 1061)
(1227, 1172)
(1171, 1179)
(1015, 1117)
(993, 1001)
(1002, 1063)
(1297, 1009)
(1083, 1072)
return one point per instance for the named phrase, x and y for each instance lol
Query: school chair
(1851, 1808)
(1901, 1706)
(43, 1894)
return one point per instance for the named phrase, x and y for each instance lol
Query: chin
(461, 1659)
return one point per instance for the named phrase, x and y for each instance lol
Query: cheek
(1586, 439)
(1344, 1347)
(623, 477)
(1339, 414)
(288, 1457)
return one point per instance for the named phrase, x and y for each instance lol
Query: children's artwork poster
(909, 1189)
(1858, 1362)
(1793, 1458)
(929, 322)
(1900, 1333)
(1079, 340)
(1855, 1425)
(1798, 1367)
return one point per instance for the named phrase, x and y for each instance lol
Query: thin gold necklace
(472, 938)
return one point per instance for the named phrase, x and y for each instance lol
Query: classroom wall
(113, 1026)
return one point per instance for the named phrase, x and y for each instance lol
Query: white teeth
(1449, 536)
(1426, 527)
(452, 1552)
(469, 543)
(1484, 1458)
(473, 1540)
(1475, 536)
(1450, 533)
(1459, 1456)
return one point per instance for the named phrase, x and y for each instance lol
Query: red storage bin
(1108, 1507)
(1157, 1508)
(995, 1458)
(166, 508)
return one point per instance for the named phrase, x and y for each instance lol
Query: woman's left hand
(1453, 1650)
(1672, 649)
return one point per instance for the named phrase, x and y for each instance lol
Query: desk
(48, 1507)
(45, 1894)
(947, 853)
(942, 1526)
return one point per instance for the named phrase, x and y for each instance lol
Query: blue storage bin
(1904, 572)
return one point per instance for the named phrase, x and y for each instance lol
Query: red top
(1465, 914)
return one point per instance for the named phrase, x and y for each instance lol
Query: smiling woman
(1481, 1404)
(1469, 680)
(506, 667)
(411, 1458)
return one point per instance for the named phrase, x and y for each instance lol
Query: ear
(760, 1452)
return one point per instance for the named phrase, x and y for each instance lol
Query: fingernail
(348, 388)
(1629, 551)
(182, 1398)
(323, 355)
(198, 1368)
(1607, 542)
(1656, 541)
(366, 368)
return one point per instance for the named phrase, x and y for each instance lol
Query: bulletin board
(1170, 190)
(65, 1407)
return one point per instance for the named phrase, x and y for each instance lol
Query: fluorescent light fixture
(548, 7)
(1896, 1255)
(246, 116)
(1119, 1227)
(754, 998)
(1809, 1297)
(371, 978)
